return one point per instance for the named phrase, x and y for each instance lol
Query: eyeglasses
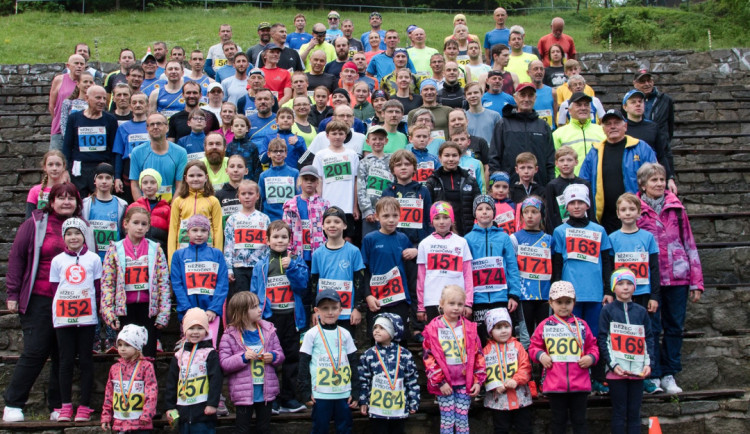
(277, 151)
(199, 119)
(319, 33)
(301, 105)
(156, 124)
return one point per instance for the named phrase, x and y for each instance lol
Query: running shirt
(443, 259)
(632, 251)
(169, 103)
(581, 249)
(336, 269)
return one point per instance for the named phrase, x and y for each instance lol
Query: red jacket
(159, 215)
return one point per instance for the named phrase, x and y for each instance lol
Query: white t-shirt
(75, 299)
(444, 264)
(321, 142)
(339, 173)
(312, 344)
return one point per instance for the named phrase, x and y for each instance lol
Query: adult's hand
(12, 306)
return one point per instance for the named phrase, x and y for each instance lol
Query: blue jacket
(494, 241)
(196, 253)
(275, 211)
(637, 152)
(293, 154)
(297, 275)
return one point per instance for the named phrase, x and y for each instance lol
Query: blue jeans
(589, 312)
(326, 409)
(198, 428)
(670, 317)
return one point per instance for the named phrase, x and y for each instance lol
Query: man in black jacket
(521, 130)
(633, 104)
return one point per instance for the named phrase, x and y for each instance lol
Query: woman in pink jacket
(665, 217)
(248, 352)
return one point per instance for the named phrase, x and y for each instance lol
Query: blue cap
(327, 294)
(272, 46)
(631, 93)
(401, 50)
(499, 177)
(428, 82)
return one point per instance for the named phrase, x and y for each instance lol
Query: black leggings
(519, 418)
(286, 330)
(571, 404)
(262, 410)
(534, 312)
(138, 315)
(72, 342)
(626, 405)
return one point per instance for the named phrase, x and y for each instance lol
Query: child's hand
(510, 384)
(211, 315)
(356, 317)
(653, 305)
(267, 357)
(311, 402)
(286, 260)
(475, 389)
(422, 316)
(371, 218)
(446, 389)
(545, 360)
(314, 320)
(231, 277)
(293, 140)
(499, 390)
(169, 416)
(607, 300)
(586, 361)
(646, 372)
(352, 402)
(209, 410)
(619, 371)
(409, 254)
(372, 303)
(512, 305)
(250, 354)
(363, 410)
(105, 426)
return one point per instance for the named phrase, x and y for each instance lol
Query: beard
(215, 157)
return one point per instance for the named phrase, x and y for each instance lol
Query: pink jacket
(434, 357)
(564, 377)
(231, 349)
(151, 390)
(316, 206)
(679, 262)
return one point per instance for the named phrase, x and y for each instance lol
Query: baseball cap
(327, 294)
(271, 46)
(526, 85)
(264, 25)
(613, 113)
(376, 129)
(333, 14)
(214, 85)
(309, 171)
(148, 54)
(334, 211)
(641, 72)
(630, 93)
(256, 71)
(578, 96)
(561, 289)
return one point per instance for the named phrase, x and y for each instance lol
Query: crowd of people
(478, 200)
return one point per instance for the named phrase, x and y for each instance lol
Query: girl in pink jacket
(248, 352)
(566, 348)
(454, 362)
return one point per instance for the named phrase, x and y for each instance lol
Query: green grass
(43, 37)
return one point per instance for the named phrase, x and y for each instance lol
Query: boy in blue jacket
(280, 282)
(278, 184)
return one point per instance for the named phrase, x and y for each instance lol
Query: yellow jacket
(183, 209)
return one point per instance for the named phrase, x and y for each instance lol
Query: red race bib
(200, 277)
(637, 262)
(583, 244)
(412, 213)
(279, 292)
(388, 288)
(445, 261)
(535, 263)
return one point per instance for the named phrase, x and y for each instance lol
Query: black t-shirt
(288, 59)
(409, 104)
(554, 76)
(334, 68)
(612, 183)
(323, 79)
(479, 149)
(178, 127)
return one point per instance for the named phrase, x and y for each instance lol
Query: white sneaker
(669, 385)
(12, 414)
(53, 415)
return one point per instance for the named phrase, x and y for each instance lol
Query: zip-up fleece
(196, 253)
(493, 241)
(185, 207)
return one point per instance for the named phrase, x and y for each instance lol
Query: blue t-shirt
(225, 72)
(365, 39)
(382, 64)
(130, 135)
(632, 251)
(482, 124)
(151, 84)
(246, 105)
(545, 106)
(104, 221)
(474, 167)
(251, 339)
(260, 128)
(277, 185)
(170, 165)
(332, 34)
(382, 253)
(496, 102)
(304, 215)
(496, 36)
(581, 249)
(536, 272)
(336, 270)
(297, 40)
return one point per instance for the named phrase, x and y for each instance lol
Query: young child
(626, 345)
(304, 214)
(454, 185)
(475, 168)
(135, 283)
(195, 196)
(389, 391)
(249, 353)
(566, 160)
(508, 375)
(278, 184)
(572, 67)
(373, 177)
(534, 255)
(75, 277)
(412, 196)
(327, 357)
(453, 360)
(241, 145)
(199, 275)
(280, 282)
(494, 268)
(419, 138)
(505, 209)
(193, 142)
(566, 348)
(387, 254)
(54, 172)
(443, 258)
(131, 392)
(104, 211)
(337, 265)
(294, 145)
(526, 168)
(581, 254)
(227, 196)
(194, 379)
(150, 182)
(339, 166)
(245, 238)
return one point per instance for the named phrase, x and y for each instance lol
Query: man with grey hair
(354, 140)
(355, 45)
(519, 59)
(61, 88)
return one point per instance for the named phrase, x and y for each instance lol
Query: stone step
(726, 264)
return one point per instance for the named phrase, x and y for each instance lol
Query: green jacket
(581, 137)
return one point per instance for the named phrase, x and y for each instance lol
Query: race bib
(412, 213)
(137, 139)
(92, 139)
(637, 262)
(258, 367)
(561, 207)
(104, 233)
(279, 292)
(437, 134)
(488, 274)
(583, 244)
(495, 372)
(463, 59)
(132, 407)
(546, 116)
(628, 343)
(74, 306)
(388, 288)
(337, 169)
(454, 351)
(218, 63)
(424, 171)
(169, 113)
(226, 211)
(136, 274)
(279, 189)
(200, 277)
(343, 288)
(326, 381)
(306, 239)
(196, 156)
(249, 234)
(445, 262)
(43, 200)
(561, 345)
(167, 189)
(507, 222)
(384, 401)
(377, 181)
(535, 263)
(192, 387)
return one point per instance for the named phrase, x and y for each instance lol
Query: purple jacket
(239, 373)
(23, 261)
(678, 256)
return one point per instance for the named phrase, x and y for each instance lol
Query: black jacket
(555, 189)
(468, 190)
(452, 95)
(656, 137)
(522, 132)
(194, 413)
(662, 113)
